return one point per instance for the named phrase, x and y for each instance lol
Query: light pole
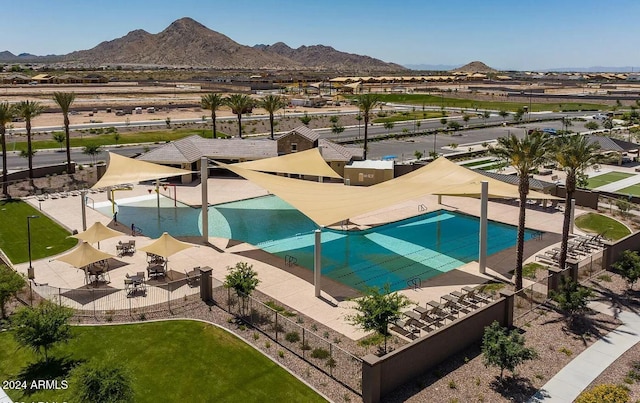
(30, 270)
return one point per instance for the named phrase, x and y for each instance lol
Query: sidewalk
(567, 384)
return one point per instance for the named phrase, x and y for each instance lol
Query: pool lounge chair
(400, 327)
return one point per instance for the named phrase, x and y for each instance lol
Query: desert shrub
(292, 337)
(605, 393)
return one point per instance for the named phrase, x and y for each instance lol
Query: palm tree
(212, 102)
(29, 110)
(574, 154)
(524, 155)
(6, 116)
(64, 101)
(366, 103)
(239, 104)
(271, 103)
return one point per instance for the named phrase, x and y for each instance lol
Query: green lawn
(436, 100)
(605, 179)
(404, 116)
(477, 162)
(47, 237)
(175, 361)
(600, 224)
(631, 190)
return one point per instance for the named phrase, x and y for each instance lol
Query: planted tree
(29, 110)
(628, 266)
(418, 154)
(486, 115)
(243, 280)
(503, 114)
(305, 119)
(453, 125)
(41, 327)
(92, 150)
(239, 104)
(377, 309)
(525, 155)
(11, 282)
(271, 104)
(504, 349)
(388, 125)
(116, 137)
(100, 381)
(367, 103)
(6, 116)
(592, 125)
(58, 137)
(466, 118)
(212, 102)
(337, 129)
(64, 101)
(572, 299)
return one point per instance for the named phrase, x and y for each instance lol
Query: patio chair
(131, 247)
(399, 326)
(193, 276)
(477, 295)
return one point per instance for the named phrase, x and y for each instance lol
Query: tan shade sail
(166, 246)
(327, 204)
(128, 170)
(84, 255)
(309, 162)
(96, 233)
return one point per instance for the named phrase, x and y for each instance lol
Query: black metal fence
(285, 329)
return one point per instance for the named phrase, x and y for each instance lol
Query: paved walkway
(567, 384)
(621, 184)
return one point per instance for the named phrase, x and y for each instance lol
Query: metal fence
(284, 329)
(529, 298)
(112, 303)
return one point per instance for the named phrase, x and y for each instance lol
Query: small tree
(100, 381)
(466, 118)
(455, 126)
(167, 121)
(10, 283)
(418, 154)
(503, 114)
(504, 349)
(572, 298)
(592, 125)
(305, 119)
(628, 266)
(41, 327)
(92, 150)
(337, 129)
(116, 137)
(388, 125)
(377, 309)
(243, 279)
(59, 137)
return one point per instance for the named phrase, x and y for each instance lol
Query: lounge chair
(399, 327)
(193, 277)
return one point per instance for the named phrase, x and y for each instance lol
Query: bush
(292, 337)
(605, 393)
(320, 353)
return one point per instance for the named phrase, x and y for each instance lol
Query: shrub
(292, 337)
(320, 353)
(605, 393)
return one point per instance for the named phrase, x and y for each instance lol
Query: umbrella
(96, 233)
(84, 255)
(165, 246)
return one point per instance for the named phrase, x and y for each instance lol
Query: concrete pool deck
(282, 285)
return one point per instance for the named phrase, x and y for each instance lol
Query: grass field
(47, 237)
(600, 224)
(404, 116)
(175, 361)
(436, 100)
(631, 190)
(605, 179)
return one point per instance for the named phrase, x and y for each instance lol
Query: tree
(574, 154)
(608, 124)
(366, 103)
(100, 381)
(212, 102)
(466, 118)
(628, 266)
(525, 155)
(518, 115)
(305, 119)
(566, 124)
(443, 121)
(167, 121)
(337, 129)
(59, 137)
(272, 103)
(92, 150)
(572, 298)
(64, 101)
(243, 279)
(453, 125)
(418, 154)
(116, 137)
(503, 114)
(504, 349)
(591, 125)
(334, 119)
(29, 110)
(41, 327)
(388, 125)
(10, 283)
(377, 308)
(486, 115)
(6, 116)
(239, 104)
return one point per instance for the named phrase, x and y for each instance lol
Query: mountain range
(187, 43)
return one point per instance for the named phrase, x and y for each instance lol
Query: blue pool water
(417, 248)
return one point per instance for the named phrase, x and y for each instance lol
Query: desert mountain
(475, 67)
(327, 58)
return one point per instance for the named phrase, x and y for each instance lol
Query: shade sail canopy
(166, 246)
(96, 233)
(309, 162)
(327, 204)
(84, 255)
(122, 170)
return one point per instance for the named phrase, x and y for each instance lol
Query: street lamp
(30, 270)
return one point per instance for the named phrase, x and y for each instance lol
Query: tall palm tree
(366, 103)
(524, 155)
(271, 103)
(239, 104)
(212, 102)
(6, 116)
(29, 110)
(64, 101)
(574, 154)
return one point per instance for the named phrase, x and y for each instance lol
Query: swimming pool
(398, 253)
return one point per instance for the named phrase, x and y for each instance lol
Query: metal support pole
(204, 177)
(484, 201)
(83, 194)
(572, 215)
(317, 259)
(158, 194)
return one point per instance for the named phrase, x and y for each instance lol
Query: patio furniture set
(579, 247)
(126, 248)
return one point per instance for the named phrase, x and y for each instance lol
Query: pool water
(402, 253)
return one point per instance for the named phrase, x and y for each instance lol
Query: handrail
(86, 202)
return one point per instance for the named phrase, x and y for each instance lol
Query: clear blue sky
(520, 35)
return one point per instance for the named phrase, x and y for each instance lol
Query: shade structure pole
(204, 176)
(482, 244)
(572, 215)
(83, 194)
(158, 194)
(317, 261)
